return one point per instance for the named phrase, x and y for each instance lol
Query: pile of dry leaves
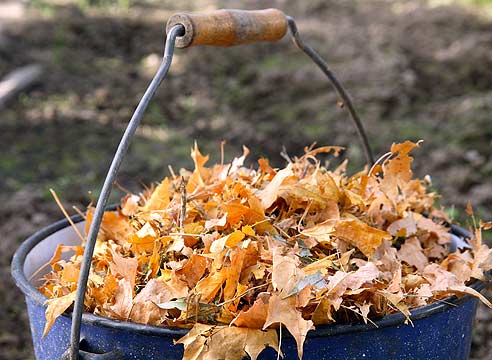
(234, 252)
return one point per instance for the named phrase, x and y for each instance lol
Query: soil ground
(414, 69)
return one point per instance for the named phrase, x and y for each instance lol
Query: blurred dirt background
(415, 69)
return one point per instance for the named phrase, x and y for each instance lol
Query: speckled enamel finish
(439, 331)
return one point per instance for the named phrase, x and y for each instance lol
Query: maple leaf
(269, 194)
(122, 300)
(397, 170)
(397, 301)
(285, 272)
(341, 281)
(193, 269)
(323, 314)
(404, 227)
(283, 311)
(482, 262)
(234, 273)
(160, 197)
(411, 252)
(438, 230)
(56, 307)
(205, 342)
(357, 233)
(257, 248)
(144, 309)
(322, 232)
(460, 264)
(209, 224)
(442, 281)
(210, 285)
(256, 315)
(129, 204)
(125, 267)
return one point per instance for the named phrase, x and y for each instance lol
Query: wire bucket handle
(217, 28)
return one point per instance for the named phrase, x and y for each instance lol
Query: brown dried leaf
(322, 232)
(55, 308)
(209, 224)
(269, 194)
(482, 262)
(124, 266)
(285, 272)
(341, 281)
(144, 308)
(123, 300)
(411, 252)
(284, 311)
(205, 342)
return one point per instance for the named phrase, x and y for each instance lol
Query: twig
(171, 171)
(284, 154)
(80, 212)
(359, 313)
(121, 187)
(382, 159)
(60, 205)
(41, 268)
(183, 203)
(222, 144)
(243, 293)
(279, 342)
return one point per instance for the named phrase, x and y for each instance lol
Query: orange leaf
(233, 273)
(357, 233)
(256, 315)
(193, 269)
(209, 286)
(160, 197)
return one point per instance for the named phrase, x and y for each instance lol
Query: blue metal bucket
(441, 330)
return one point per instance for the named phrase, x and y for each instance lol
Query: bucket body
(440, 331)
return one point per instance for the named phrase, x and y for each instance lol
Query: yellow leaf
(234, 238)
(248, 230)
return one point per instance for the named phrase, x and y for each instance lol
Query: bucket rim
(29, 291)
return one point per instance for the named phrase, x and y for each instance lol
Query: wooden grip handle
(229, 27)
